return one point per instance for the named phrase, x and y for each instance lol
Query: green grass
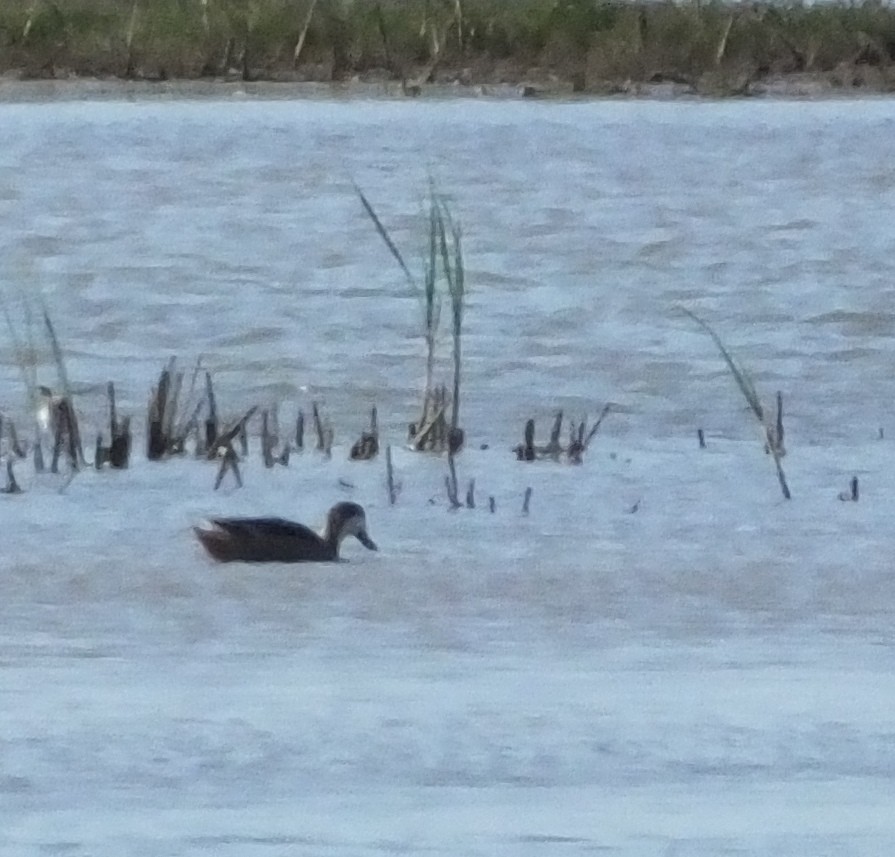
(771, 434)
(443, 263)
(590, 43)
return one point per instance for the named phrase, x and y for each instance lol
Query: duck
(279, 540)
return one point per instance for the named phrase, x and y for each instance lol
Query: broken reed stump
(118, 453)
(390, 477)
(227, 436)
(63, 421)
(229, 461)
(269, 440)
(367, 446)
(450, 484)
(852, 495)
(526, 501)
(66, 437)
(12, 487)
(170, 422)
(554, 448)
(211, 419)
(324, 432)
(526, 450)
(579, 440)
(156, 442)
(15, 447)
(318, 427)
(433, 432)
(300, 431)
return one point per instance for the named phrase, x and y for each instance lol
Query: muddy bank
(846, 83)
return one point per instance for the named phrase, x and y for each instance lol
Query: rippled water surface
(663, 657)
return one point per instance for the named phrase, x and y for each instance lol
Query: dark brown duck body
(279, 540)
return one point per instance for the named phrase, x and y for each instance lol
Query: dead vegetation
(579, 439)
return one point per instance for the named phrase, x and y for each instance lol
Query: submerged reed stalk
(450, 483)
(74, 434)
(853, 493)
(267, 440)
(11, 487)
(226, 438)
(26, 359)
(367, 446)
(526, 502)
(211, 421)
(300, 431)
(117, 454)
(450, 242)
(318, 427)
(229, 461)
(390, 476)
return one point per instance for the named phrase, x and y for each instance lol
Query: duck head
(349, 519)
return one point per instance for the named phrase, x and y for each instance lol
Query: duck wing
(269, 528)
(264, 540)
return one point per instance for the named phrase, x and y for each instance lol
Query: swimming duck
(278, 540)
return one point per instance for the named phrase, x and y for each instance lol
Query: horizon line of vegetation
(584, 42)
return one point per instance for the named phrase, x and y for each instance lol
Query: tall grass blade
(57, 352)
(433, 303)
(384, 234)
(26, 367)
(781, 476)
(77, 451)
(452, 263)
(744, 382)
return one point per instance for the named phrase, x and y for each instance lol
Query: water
(663, 657)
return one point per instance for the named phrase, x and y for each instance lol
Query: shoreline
(586, 48)
(794, 86)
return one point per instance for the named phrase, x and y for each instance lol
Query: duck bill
(366, 541)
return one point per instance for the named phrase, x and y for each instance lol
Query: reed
(450, 244)
(772, 431)
(444, 260)
(25, 355)
(431, 300)
(50, 413)
(117, 454)
(390, 477)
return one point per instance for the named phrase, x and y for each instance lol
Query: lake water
(663, 657)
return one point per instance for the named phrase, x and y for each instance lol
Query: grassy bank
(586, 45)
